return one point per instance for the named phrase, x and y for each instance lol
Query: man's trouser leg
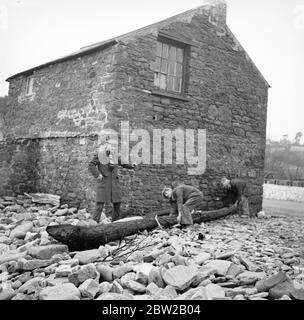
(244, 206)
(98, 210)
(186, 218)
(116, 211)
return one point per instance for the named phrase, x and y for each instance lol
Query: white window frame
(29, 84)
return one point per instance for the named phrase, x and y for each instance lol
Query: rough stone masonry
(50, 131)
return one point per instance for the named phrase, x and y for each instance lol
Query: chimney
(217, 11)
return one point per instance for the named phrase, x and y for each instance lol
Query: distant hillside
(284, 160)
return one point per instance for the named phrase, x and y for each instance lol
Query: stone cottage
(188, 71)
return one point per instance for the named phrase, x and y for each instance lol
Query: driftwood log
(79, 238)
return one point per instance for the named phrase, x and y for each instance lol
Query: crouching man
(104, 169)
(236, 188)
(184, 201)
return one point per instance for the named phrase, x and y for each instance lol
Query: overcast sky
(272, 32)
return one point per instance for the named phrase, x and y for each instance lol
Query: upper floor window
(169, 67)
(29, 83)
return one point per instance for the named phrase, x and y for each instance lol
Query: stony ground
(232, 259)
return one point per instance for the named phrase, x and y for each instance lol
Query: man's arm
(174, 210)
(126, 166)
(93, 166)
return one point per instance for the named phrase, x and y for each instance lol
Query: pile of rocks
(231, 259)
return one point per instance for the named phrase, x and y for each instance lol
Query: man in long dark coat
(237, 189)
(108, 186)
(184, 201)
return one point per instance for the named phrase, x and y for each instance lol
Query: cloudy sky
(272, 32)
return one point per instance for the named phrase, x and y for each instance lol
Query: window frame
(186, 53)
(29, 84)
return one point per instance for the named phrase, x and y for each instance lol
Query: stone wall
(18, 173)
(226, 95)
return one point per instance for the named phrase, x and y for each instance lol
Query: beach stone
(281, 289)
(9, 256)
(269, 282)
(250, 277)
(180, 277)
(116, 287)
(87, 256)
(234, 270)
(106, 272)
(63, 270)
(30, 265)
(135, 286)
(52, 280)
(220, 266)
(33, 285)
(20, 231)
(169, 292)
(23, 296)
(82, 274)
(153, 289)
(142, 272)
(156, 277)
(105, 287)
(24, 277)
(89, 289)
(65, 291)
(214, 291)
(62, 212)
(48, 251)
(7, 294)
(115, 296)
(118, 272)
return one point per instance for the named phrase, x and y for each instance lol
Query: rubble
(235, 259)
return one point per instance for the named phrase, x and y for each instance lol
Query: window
(29, 85)
(169, 66)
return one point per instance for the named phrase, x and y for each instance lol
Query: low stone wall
(278, 192)
(299, 183)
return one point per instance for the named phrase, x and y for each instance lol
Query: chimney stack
(217, 10)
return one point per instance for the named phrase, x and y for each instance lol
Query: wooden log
(87, 237)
